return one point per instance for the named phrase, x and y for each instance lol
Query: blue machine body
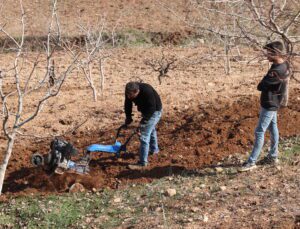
(117, 148)
(105, 148)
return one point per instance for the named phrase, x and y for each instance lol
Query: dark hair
(275, 47)
(132, 87)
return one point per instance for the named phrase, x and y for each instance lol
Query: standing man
(149, 104)
(273, 87)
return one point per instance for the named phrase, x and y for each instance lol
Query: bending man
(149, 104)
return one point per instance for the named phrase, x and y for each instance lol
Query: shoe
(247, 167)
(137, 166)
(269, 161)
(153, 153)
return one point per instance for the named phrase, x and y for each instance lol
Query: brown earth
(189, 139)
(207, 116)
(144, 15)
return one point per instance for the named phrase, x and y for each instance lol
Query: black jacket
(147, 102)
(273, 86)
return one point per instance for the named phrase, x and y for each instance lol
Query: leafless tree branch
(162, 65)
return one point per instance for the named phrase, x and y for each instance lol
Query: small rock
(201, 41)
(88, 220)
(76, 187)
(278, 167)
(219, 169)
(119, 159)
(145, 210)
(47, 126)
(209, 171)
(171, 192)
(194, 209)
(283, 209)
(117, 200)
(205, 218)
(196, 189)
(223, 188)
(203, 186)
(158, 209)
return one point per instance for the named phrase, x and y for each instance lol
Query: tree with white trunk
(17, 83)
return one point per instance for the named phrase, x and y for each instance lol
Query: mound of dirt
(190, 139)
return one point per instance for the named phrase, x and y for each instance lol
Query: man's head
(132, 90)
(274, 51)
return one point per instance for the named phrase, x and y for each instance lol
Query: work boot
(137, 166)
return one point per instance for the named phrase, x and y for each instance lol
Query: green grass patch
(7, 220)
(290, 149)
(52, 211)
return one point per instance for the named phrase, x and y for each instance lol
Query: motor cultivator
(58, 160)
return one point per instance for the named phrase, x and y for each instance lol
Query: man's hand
(138, 131)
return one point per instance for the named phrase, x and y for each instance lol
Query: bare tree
(243, 22)
(94, 53)
(162, 65)
(22, 83)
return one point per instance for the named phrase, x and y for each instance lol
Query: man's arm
(128, 109)
(269, 83)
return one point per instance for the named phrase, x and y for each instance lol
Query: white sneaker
(247, 167)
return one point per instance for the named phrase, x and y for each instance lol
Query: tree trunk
(101, 76)
(7, 154)
(227, 59)
(285, 98)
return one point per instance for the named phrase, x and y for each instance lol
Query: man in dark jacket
(149, 104)
(273, 87)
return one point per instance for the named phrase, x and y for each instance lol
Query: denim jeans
(267, 120)
(148, 138)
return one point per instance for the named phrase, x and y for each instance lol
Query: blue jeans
(148, 137)
(267, 120)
